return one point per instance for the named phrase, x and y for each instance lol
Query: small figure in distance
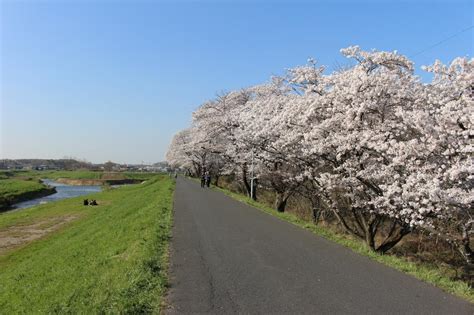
(94, 203)
(208, 180)
(203, 180)
(86, 202)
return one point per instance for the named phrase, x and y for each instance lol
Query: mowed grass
(111, 258)
(139, 175)
(14, 190)
(10, 188)
(70, 174)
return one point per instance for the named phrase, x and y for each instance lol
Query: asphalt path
(229, 258)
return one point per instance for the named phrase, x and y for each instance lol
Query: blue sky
(114, 80)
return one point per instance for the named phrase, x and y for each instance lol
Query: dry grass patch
(15, 236)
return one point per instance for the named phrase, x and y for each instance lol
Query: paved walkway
(229, 258)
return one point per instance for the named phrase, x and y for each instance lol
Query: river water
(63, 191)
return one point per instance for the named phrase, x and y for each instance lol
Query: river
(63, 191)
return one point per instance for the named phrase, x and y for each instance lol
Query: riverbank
(124, 240)
(16, 190)
(97, 182)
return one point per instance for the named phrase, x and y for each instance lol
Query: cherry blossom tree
(183, 152)
(443, 182)
(382, 151)
(350, 128)
(216, 123)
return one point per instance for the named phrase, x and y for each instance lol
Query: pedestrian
(203, 180)
(208, 180)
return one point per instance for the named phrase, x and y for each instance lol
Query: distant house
(45, 167)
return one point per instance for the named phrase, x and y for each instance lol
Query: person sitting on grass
(94, 203)
(86, 202)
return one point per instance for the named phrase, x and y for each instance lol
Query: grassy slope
(428, 273)
(112, 259)
(14, 190)
(13, 187)
(70, 174)
(138, 175)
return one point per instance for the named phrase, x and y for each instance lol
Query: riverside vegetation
(66, 257)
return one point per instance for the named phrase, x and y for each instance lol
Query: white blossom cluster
(373, 135)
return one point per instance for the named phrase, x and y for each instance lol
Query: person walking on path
(203, 180)
(208, 180)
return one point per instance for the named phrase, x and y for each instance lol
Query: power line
(442, 41)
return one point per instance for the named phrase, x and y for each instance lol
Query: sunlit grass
(111, 259)
(15, 190)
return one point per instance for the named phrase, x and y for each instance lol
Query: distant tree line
(63, 164)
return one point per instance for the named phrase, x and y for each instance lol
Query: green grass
(14, 187)
(139, 175)
(70, 174)
(14, 190)
(429, 273)
(5, 174)
(80, 174)
(111, 259)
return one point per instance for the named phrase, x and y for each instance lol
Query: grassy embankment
(68, 174)
(106, 259)
(16, 190)
(430, 273)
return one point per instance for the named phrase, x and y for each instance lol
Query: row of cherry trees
(381, 151)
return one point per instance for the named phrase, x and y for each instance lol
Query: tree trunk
(280, 201)
(245, 180)
(316, 209)
(197, 169)
(466, 249)
(216, 182)
(254, 191)
(370, 240)
(316, 212)
(390, 243)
